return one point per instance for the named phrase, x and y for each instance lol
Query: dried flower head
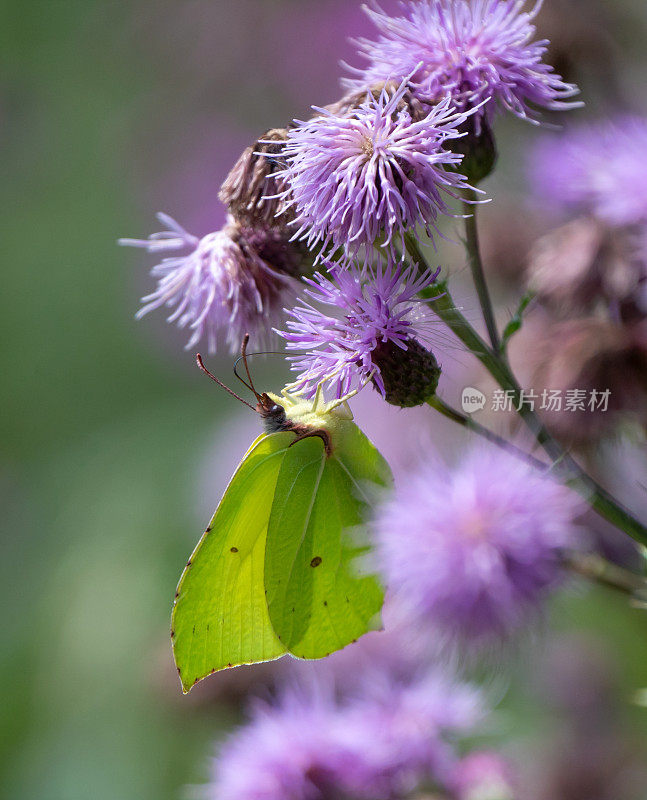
(475, 50)
(359, 321)
(596, 169)
(470, 551)
(416, 108)
(586, 264)
(599, 369)
(231, 282)
(251, 189)
(371, 175)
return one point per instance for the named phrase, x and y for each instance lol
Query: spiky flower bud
(410, 376)
(478, 148)
(251, 187)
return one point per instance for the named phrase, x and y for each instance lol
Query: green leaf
(319, 601)
(220, 616)
(516, 322)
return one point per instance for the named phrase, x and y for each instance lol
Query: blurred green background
(109, 112)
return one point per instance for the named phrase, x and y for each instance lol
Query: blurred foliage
(104, 424)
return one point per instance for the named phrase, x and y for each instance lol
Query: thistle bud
(410, 376)
(478, 148)
(251, 187)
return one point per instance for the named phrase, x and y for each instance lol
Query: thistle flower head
(384, 743)
(230, 282)
(475, 50)
(356, 314)
(372, 174)
(471, 551)
(597, 168)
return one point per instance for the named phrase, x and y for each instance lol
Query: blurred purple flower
(475, 51)
(597, 168)
(273, 756)
(371, 175)
(382, 744)
(371, 307)
(222, 284)
(483, 775)
(471, 551)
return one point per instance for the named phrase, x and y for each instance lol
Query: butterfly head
(272, 413)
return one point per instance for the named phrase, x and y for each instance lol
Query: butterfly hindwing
(220, 616)
(318, 598)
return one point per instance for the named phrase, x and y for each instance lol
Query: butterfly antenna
(201, 365)
(249, 377)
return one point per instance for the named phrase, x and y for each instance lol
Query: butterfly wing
(220, 617)
(319, 599)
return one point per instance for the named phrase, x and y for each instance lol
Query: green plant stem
(441, 302)
(595, 568)
(476, 266)
(467, 422)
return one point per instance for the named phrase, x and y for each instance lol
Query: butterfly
(277, 571)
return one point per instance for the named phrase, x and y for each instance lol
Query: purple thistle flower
(397, 734)
(471, 551)
(364, 309)
(475, 51)
(597, 168)
(372, 174)
(227, 282)
(310, 745)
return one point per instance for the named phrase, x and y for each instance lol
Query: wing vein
(353, 481)
(310, 507)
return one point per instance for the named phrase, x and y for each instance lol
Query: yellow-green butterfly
(275, 571)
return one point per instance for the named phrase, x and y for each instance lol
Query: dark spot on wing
(325, 602)
(234, 549)
(315, 561)
(208, 530)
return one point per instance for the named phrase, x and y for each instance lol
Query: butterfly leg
(310, 432)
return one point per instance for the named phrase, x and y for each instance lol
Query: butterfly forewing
(220, 617)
